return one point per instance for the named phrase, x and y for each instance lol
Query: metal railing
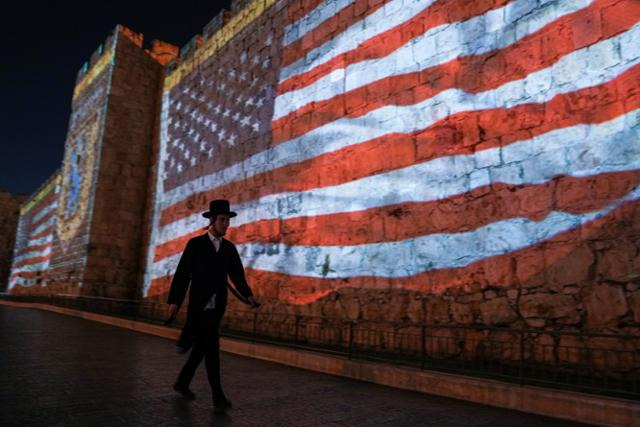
(606, 364)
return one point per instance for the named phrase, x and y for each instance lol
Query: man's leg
(196, 356)
(189, 368)
(212, 359)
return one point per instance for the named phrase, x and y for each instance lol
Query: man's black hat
(219, 207)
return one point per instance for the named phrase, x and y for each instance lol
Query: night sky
(44, 45)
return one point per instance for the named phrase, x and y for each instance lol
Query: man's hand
(253, 302)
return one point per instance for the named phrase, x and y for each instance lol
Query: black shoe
(184, 391)
(221, 407)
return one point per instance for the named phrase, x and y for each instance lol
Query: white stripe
(567, 75)
(408, 257)
(164, 140)
(313, 19)
(40, 266)
(437, 46)
(32, 254)
(372, 25)
(581, 150)
(51, 207)
(48, 223)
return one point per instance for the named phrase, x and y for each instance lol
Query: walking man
(206, 263)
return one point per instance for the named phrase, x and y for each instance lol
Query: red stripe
(299, 9)
(46, 201)
(324, 32)
(33, 248)
(451, 215)
(461, 133)
(175, 246)
(30, 261)
(46, 232)
(520, 267)
(28, 275)
(24, 290)
(472, 74)
(43, 220)
(439, 13)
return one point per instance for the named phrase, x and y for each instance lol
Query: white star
(187, 154)
(243, 76)
(210, 152)
(232, 139)
(226, 113)
(243, 57)
(245, 121)
(191, 131)
(201, 82)
(193, 161)
(269, 40)
(232, 72)
(196, 137)
(210, 105)
(214, 127)
(222, 85)
(179, 167)
(180, 147)
(202, 145)
(207, 122)
(236, 116)
(221, 134)
(194, 114)
(201, 98)
(175, 142)
(179, 105)
(259, 102)
(265, 63)
(255, 60)
(248, 102)
(217, 109)
(254, 82)
(256, 126)
(172, 162)
(239, 98)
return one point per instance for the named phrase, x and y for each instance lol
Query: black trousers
(206, 346)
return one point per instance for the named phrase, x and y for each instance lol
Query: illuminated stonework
(77, 173)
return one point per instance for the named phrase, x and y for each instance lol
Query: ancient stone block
(604, 304)
(634, 304)
(461, 313)
(437, 310)
(568, 269)
(546, 306)
(497, 312)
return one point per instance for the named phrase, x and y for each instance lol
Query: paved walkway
(59, 370)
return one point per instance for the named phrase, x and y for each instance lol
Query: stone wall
(9, 212)
(125, 162)
(465, 163)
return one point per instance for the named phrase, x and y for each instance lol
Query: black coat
(207, 271)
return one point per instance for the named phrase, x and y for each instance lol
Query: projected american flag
(35, 232)
(409, 144)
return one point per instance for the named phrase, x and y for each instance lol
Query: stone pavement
(59, 370)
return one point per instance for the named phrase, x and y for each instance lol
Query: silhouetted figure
(206, 263)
